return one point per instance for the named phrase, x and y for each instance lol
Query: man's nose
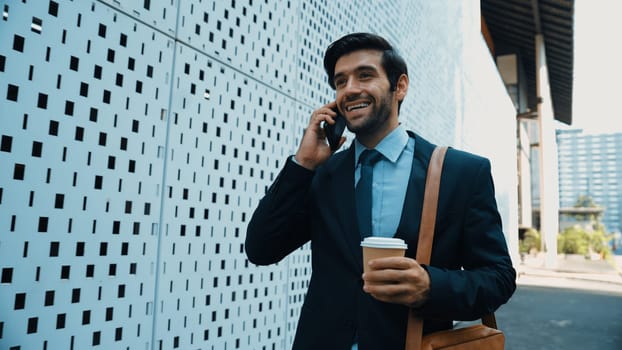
(351, 86)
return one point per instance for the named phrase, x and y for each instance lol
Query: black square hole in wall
(43, 224)
(74, 63)
(93, 114)
(84, 89)
(20, 301)
(80, 249)
(102, 30)
(18, 171)
(98, 182)
(7, 275)
(42, 101)
(90, 270)
(53, 8)
(18, 43)
(37, 148)
(64, 272)
(32, 325)
(69, 105)
(75, 295)
(49, 298)
(59, 201)
(53, 129)
(96, 338)
(6, 144)
(60, 321)
(54, 247)
(12, 92)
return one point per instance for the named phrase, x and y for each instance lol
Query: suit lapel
(342, 191)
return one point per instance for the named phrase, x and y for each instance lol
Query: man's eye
(340, 82)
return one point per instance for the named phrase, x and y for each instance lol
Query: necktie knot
(369, 157)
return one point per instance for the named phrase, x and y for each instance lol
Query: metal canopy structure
(513, 24)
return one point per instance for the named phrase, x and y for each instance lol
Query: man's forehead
(360, 59)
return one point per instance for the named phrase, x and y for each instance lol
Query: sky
(597, 98)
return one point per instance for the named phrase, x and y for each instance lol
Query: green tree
(531, 242)
(573, 240)
(587, 202)
(576, 240)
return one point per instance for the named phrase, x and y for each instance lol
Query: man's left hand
(397, 280)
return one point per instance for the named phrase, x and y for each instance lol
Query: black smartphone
(333, 132)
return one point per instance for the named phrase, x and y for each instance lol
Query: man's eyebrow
(358, 69)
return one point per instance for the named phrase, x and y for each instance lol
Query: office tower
(591, 165)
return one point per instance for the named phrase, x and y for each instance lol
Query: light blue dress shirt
(390, 181)
(391, 175)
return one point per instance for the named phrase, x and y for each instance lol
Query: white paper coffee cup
(381, 247)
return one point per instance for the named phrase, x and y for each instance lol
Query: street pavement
(575, 305)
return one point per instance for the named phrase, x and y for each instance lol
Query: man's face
(364, 93)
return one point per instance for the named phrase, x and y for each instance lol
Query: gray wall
(137, 138)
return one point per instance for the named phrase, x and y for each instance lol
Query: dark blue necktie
(363, 190)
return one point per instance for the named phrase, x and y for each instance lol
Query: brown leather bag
(477, 337)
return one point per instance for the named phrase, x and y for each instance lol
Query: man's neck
(370, 141)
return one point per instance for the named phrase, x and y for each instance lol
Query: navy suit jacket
(470, 271)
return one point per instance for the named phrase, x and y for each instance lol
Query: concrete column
(549, 193)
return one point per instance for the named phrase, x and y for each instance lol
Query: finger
(322, 115)
(401, 293)
(387, 290)
(387, 276)
(317, 117)
(330, 108)
(398, 263)
(397, 294)
(331, 105)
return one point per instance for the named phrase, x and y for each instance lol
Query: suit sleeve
(487, 278)
(279, 225)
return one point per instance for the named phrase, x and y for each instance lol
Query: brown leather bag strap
(414, 330)
(490, 320)
(430, 204)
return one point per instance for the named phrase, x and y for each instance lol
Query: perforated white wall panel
(136, 140)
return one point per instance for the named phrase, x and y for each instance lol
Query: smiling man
(313, 199)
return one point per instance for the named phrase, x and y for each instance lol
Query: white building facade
(138, 137)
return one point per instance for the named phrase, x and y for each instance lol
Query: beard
(379, 115)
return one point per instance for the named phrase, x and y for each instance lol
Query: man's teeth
(360, 105)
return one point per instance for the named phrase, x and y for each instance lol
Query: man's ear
(401, 88)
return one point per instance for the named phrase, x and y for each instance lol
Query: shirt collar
(391, 146)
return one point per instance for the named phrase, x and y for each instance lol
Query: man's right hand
(314, 149)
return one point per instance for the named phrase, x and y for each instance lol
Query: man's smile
(357, 106)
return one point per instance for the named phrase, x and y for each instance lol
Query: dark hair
(393, 64)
